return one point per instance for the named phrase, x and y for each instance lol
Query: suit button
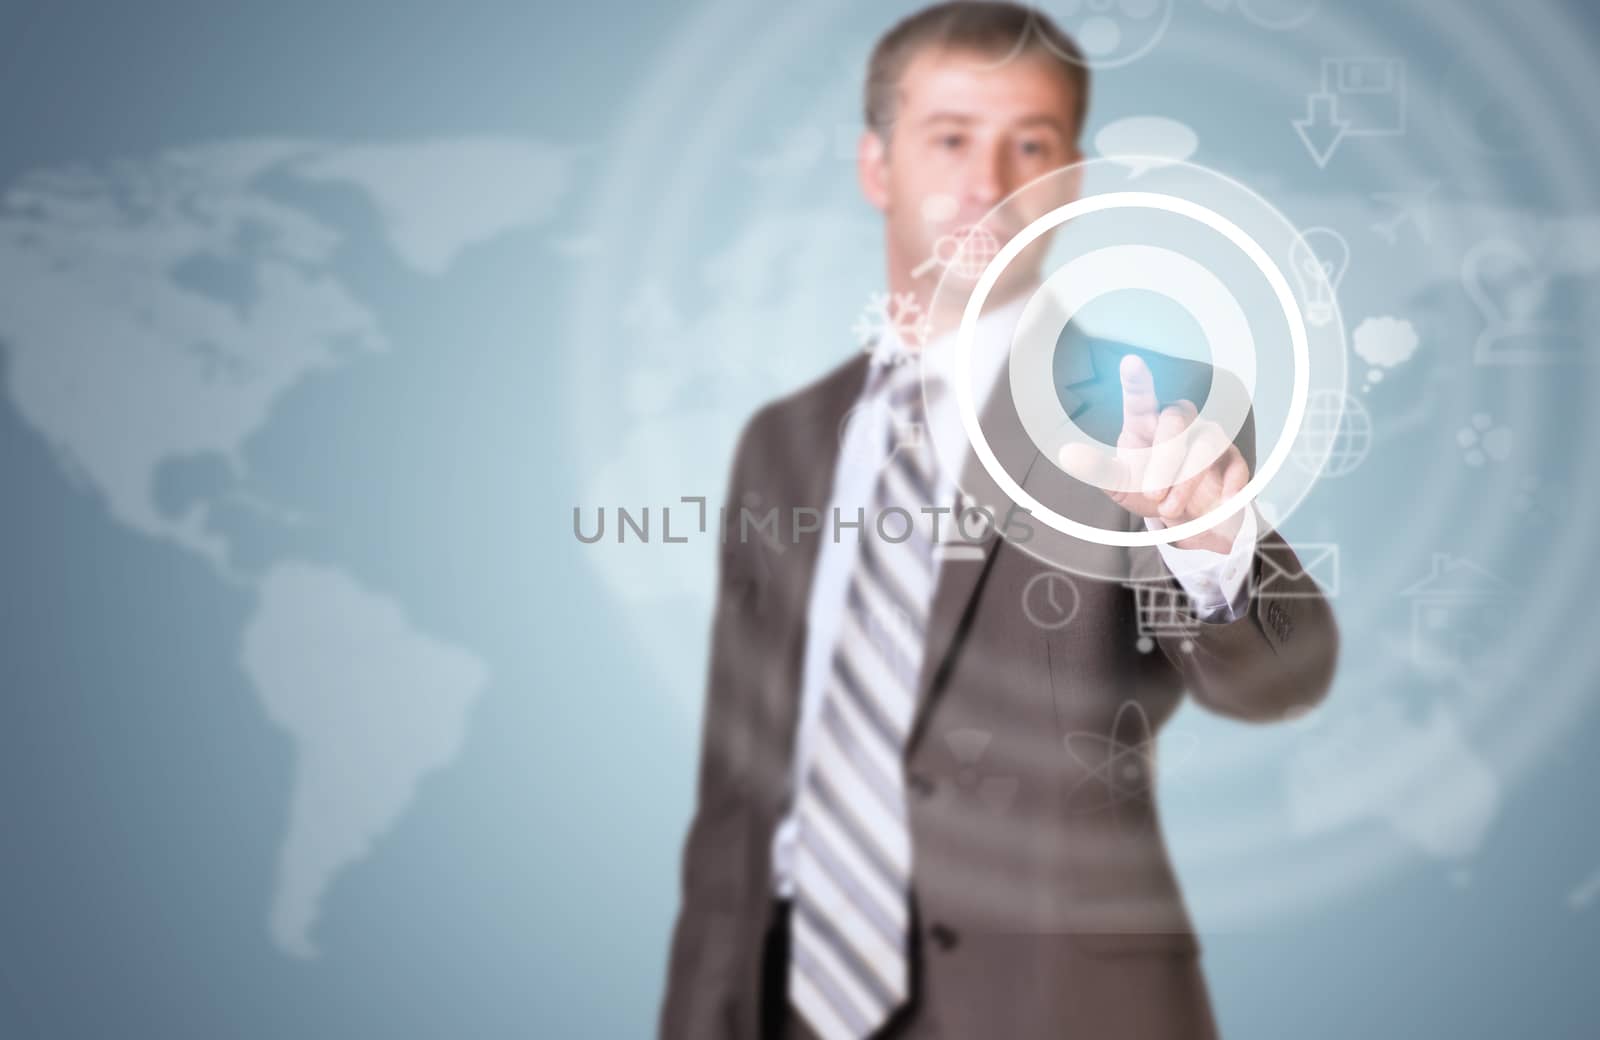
(943, 936)
(920, 785)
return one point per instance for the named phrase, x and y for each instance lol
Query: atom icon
(1122, 764)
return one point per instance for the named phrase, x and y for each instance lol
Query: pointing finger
(1236, 477)
(1197, 492)
(1224, 474)
(1170, 448)
(1094, 467)
(1139, 404)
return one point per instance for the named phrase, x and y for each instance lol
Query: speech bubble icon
(1142, 143)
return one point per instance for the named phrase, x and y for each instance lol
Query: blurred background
(318, 322)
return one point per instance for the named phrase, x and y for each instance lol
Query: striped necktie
(848, 967)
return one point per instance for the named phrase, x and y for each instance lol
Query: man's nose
(986, 178)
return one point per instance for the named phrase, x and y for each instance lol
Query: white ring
(1133, 200)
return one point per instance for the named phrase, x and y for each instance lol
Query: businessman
(922, 809)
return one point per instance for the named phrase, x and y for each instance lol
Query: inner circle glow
(1110, 269)
(966, 335)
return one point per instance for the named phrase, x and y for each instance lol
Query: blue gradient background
(529, 887)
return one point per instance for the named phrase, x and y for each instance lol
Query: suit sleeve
(703, 973)
(1277, 657)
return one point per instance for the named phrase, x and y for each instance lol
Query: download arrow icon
(1322, 129)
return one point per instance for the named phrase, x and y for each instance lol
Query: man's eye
(1034, 148)
(951, 141)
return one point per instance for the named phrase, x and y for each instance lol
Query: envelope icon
(1282, 578)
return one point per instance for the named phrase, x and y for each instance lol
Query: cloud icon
(1385, 342)
(1142, 143)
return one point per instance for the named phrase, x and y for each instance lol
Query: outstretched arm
(1277, 655)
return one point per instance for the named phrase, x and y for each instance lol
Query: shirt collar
(991, 348)
(991, 352)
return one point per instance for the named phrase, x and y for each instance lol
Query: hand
(1156, 445)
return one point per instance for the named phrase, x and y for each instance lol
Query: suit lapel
(1081, 382)
(1085, 384)
(960, 579)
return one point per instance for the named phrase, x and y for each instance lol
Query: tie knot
(906, 396)
(902, 387)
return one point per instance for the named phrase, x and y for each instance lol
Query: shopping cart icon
(1162, 608)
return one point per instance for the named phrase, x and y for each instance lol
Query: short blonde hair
(989, 27)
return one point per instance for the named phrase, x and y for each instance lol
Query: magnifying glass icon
(944, 251)
(966, 251)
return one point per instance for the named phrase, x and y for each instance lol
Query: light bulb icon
(1320, 257)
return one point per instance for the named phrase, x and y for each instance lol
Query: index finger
(1139, 405)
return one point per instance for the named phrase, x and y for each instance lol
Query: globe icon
(1335, 436)
(976, 248)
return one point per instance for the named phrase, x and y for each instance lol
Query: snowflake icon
(899, 314)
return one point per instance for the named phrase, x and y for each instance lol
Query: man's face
(967, 133)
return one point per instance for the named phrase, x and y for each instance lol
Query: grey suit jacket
(1044, 890)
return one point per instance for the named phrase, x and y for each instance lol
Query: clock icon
(1050, 600)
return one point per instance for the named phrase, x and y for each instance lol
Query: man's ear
(872, 169)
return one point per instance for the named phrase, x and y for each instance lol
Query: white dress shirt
(1214, 581)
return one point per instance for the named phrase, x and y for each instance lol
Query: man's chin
(956, 291)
